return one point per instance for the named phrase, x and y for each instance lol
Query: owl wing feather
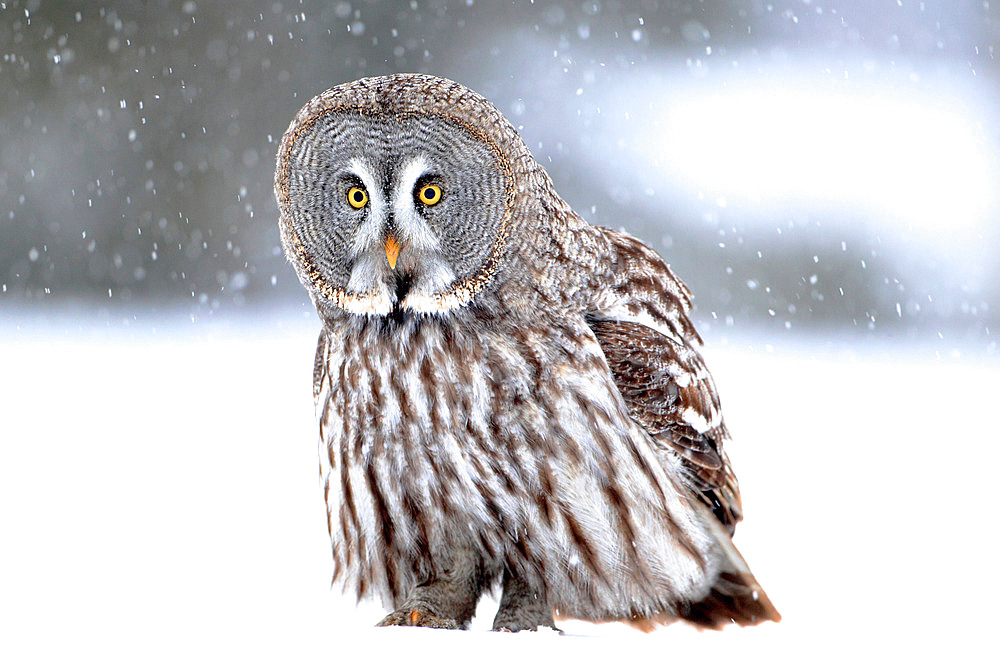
(642, 324)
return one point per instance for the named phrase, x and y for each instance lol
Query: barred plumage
(520, 399)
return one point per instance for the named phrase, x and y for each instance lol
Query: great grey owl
(506, 394)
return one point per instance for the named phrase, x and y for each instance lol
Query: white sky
(918, 160)
(907, 148)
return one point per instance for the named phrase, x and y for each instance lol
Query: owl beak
(392, 250)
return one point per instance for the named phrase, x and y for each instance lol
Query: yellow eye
(357, 197)
(430, 194)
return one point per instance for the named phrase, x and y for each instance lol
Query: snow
(160, 505)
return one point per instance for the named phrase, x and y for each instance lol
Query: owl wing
(641, 321)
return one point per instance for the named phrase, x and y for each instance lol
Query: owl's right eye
(357, 197)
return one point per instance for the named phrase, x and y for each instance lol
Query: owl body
(506, 394)
(436, 434)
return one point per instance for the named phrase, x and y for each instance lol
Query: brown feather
(646, 365)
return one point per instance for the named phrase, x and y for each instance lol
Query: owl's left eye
(357, 197)
(429, 194)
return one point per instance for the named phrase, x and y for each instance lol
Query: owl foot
(447, 600)
(519, 624)
(522, 607)
(420, 617)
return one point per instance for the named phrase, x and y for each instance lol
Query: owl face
(392, 211)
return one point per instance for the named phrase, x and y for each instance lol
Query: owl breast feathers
(506, 394)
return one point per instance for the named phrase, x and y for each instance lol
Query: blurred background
(818, 167)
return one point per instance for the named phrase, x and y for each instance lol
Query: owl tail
(735, 597)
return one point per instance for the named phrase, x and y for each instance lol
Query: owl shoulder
(633, 283)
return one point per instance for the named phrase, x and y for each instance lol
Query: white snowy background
(161, 506)
(824, 174)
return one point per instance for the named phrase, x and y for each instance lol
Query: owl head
(400, 193)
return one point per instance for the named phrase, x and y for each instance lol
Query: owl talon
(522, 607)
(418, 618)
(533, 628)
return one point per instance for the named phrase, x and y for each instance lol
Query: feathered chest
(437, 436)
(410, 393)
(418, 384)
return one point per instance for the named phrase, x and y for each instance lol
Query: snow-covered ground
(159, 505)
